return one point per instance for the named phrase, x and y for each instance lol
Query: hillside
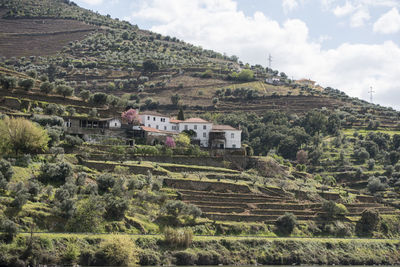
(313, 161)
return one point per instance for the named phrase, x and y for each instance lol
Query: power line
(371, 92)
(269, 60)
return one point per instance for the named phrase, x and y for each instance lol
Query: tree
(8, 82)
(175, 99)
(26, 84)
(6, 172)
(286, 223)
(64, 90)
(183, 140)
(46, 87)
(333, 210)
(150, 66)
(131, 116)
(100, 98)
(85, 95)
(87, 216)
(170, 142)
(55, 172)
(368, 222)
(20, 135)
(181, 115)
(246, 75)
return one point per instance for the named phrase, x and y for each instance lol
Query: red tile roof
(154, 130)
(172, 120)
(223, 127)
(196, 120)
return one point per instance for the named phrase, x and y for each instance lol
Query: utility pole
(269, 60)
(370, 94)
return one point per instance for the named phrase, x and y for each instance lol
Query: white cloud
(289, 5)
(388, 23)
(92, 2)
(219, 25)
(359, 18)
(344, 10)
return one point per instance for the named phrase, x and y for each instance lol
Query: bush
(375, 185)
(21, 135)
(9, 230)
(178, 238)
(46, 87)
(116, 207)
(286, 223)
(117, 251)
(149, 258)
(26, 84)
(55, 172)
(73, 141)
(368, 222)
(48, 120)
(185, 258)
(105, 182)
(333, 210)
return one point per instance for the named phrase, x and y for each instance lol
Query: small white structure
(114, 123)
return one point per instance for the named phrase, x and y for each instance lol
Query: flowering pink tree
(170, 142)
(131, 116)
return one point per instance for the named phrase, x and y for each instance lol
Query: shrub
(286, 223)
(6, 170)
(375, 185)
(116, 207)
(105, 182)
(48, 120)
(117, 251)
(26, 84)
(368, 222)
(73, 141)
(9, 230)
(87, 216)
(185, 258)
(333, 210)
(46, 87)
(55, 172)
(178, 237)
(21, 135)
(149, 258)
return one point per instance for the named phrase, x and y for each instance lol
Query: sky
(351, 45)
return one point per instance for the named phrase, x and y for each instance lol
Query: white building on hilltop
(205, 133)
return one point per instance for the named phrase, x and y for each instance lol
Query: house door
(221, 146)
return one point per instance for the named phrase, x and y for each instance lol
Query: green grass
(363, 131)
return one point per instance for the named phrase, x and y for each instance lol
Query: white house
(225, 136)
(155, 120)
(201, 127)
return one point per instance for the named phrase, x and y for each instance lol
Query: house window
(165, 128)
(115, 124)
(204, 134)
(154, 118)
(195, 127)
(148, 117)
(233, 146)
(149, 125)
(186, 127)
(157, 127)
(162, 119)
(232, 135)
(173, 127)
(204, 127)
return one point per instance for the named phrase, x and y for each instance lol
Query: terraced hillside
(232, 202)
